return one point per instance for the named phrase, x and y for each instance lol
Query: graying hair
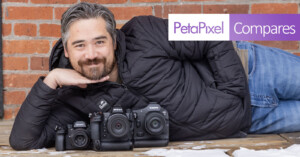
(85, 10)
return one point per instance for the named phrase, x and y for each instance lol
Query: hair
(85, 10)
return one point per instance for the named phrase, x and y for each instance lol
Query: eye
(79, 45)
(99, 42)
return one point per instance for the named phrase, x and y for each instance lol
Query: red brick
(297, 53)
(126, 13)
(119, 26)
(25, 46)
(8, 113)
(148, 1)
(202, 0)
(39, 63)
(170, 0)
(54, 42)
(53, 1)
(274, 8)
(50, 30)
(11, 113)
(105, 1)
(58, 12)
(20, 80)
(286, 45)
(26, 29)
(24, 1)
(28, 13)
(15, 63)
(188, 9)
(16, 111)
(228, 9)
(158, 10)
(14, 97)
(6, 29)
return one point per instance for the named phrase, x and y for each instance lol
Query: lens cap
(155, 123)
(118, 125)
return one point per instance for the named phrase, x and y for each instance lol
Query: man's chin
(93, 73)
(93, 77)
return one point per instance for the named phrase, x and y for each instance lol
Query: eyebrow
(96, 38)
(100, 37)
(77, 41)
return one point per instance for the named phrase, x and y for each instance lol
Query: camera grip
(95, 132)
(59, 142)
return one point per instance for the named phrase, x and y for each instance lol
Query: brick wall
(31, 28)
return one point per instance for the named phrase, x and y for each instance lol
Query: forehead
(88, 28)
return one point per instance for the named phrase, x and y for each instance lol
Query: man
(201, 84)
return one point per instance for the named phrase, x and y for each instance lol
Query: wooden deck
(257, 142)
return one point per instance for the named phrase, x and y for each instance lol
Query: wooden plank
(6, 122)
(292, 137)
(5, 129)
(257, 142)
(252, 142)
(4, 140)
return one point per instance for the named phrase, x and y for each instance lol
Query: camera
(112, 130)
(76, 136)
(117, 130)
(151, 126)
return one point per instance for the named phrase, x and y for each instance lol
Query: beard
(97, 72)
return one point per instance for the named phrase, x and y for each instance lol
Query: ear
(66, 53)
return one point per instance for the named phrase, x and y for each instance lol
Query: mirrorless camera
(76, 136)
(151, 126)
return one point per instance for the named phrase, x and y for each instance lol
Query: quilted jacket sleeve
(34, 125)
(151, 31)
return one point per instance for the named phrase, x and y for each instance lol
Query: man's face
(90, 48)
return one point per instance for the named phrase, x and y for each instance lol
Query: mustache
(91, 61)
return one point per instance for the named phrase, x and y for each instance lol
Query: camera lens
(154, 123)
(118, 125)
(79, 139)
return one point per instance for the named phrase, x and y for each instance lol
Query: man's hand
(60, 77)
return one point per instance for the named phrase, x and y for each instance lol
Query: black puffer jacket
(201, 84)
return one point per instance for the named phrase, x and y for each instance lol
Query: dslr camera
(112, 130)
(117, 130)
(151, 126)
(76, 136)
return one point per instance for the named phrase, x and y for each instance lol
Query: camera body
(151, 126)
(76, 136)
(112, 130)
(117, 130)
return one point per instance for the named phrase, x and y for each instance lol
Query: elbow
(18, 143)
(15, 143)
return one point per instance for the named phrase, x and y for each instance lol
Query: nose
(91, 53)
